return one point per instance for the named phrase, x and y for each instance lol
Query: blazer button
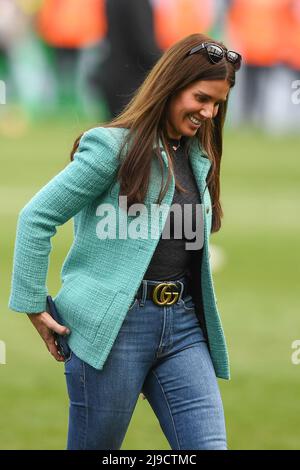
(207, 209)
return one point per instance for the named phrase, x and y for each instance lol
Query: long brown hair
(145, 117)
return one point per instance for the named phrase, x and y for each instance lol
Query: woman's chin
(190, 132)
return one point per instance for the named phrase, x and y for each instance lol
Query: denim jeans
(162, 353)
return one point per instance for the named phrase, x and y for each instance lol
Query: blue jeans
(162, 353)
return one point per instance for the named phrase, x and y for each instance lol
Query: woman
(139, 306)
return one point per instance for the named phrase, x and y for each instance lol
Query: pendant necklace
(175, 144)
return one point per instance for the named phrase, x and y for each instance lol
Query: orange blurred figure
(175, 19)
(71, 23)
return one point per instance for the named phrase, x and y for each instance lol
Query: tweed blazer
(100, 276)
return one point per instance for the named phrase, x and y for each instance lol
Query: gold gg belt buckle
(162, 296)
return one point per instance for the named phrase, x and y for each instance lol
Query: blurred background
(68, 65)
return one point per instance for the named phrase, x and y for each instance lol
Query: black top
(171, 260)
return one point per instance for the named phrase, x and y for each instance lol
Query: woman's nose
(207, 112)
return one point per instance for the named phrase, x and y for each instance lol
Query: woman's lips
(193, 124)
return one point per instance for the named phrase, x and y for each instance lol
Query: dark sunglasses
(216, 53)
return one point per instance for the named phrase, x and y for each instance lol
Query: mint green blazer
(100, 276)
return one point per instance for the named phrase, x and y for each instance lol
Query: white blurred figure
(218, 257)
(29, 82)
(281, 115)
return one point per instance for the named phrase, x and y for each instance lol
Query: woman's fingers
(53, 325)
(46, 327)
(40, 320)
(53, 349)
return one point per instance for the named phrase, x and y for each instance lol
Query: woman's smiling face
(194, 104)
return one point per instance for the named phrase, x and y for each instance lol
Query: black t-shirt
(171, 259)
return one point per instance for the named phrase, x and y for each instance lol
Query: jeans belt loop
(144, 293)
(181, 290)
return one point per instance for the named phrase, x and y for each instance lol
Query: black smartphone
(61, 341)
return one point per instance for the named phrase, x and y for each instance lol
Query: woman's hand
(45, 326)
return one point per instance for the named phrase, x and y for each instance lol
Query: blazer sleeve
(82, 180)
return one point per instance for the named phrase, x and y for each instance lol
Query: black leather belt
(164, 292)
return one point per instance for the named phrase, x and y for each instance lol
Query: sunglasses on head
(216, 53)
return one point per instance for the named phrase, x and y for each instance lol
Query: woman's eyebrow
(208, 96)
